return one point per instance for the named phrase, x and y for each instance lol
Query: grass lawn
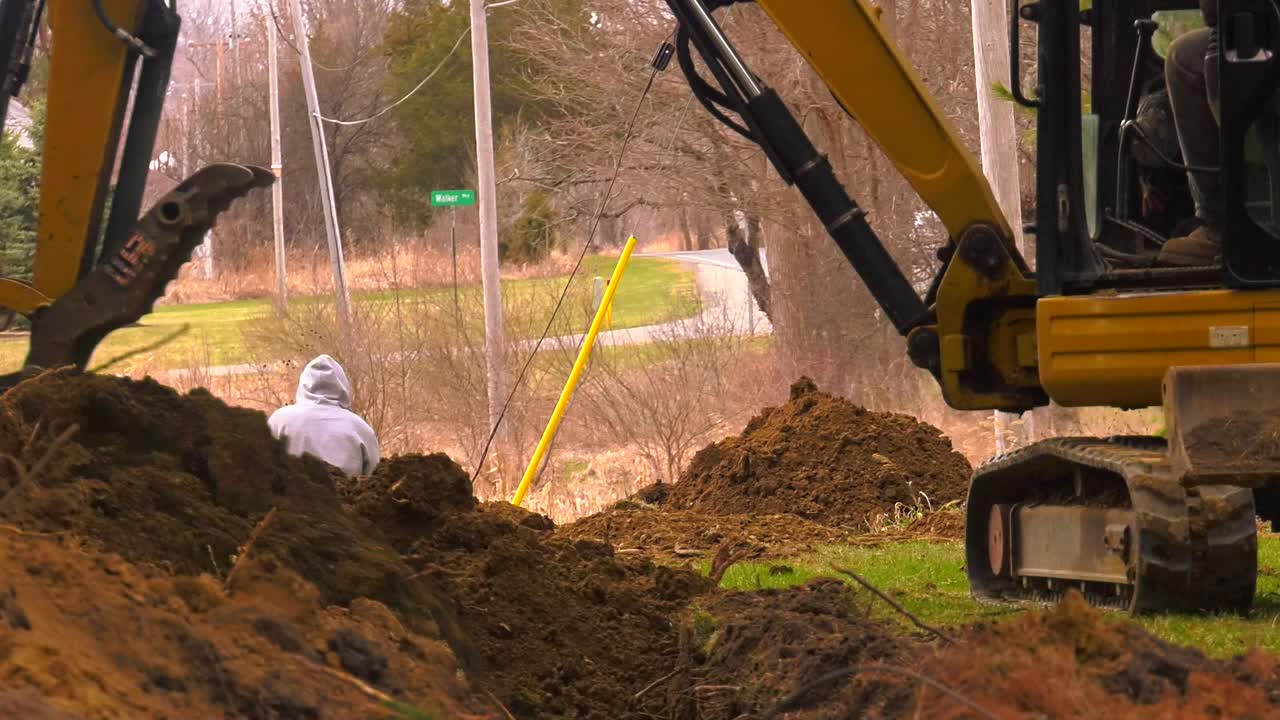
(929, 580)
(653, 291)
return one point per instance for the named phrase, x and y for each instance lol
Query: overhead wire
(586, 247)
(410, 94)
(275, 19)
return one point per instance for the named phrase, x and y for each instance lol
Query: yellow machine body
(1115, 350)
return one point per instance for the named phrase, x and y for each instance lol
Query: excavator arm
(95, 90)
(974, 329)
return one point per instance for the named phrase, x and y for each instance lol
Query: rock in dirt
(825, 459)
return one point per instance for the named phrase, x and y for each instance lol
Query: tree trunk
(705, 239)
(998, 135)
(744, 244)
(686, 232)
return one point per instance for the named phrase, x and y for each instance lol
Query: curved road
(727, 309)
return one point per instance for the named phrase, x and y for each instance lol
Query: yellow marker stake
(606, 305)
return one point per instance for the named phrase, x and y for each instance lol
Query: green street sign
(452, 198)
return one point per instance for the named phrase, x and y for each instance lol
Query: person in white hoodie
(321, 423)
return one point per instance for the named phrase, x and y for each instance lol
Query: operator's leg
(1198, 136)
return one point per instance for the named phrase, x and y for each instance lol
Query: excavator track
(1108, 517)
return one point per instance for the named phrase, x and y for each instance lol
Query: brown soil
(747, 651)
(664, 534)
(1243, 439)
(88, 635)
(555, 627)
(825, 459)
(119, 598)
(1072, 662)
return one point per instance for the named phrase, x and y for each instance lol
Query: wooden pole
(332, 231)
(495, 337)
(277, 167)
(999, 135)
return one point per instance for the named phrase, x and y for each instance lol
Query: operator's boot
(1201, 248)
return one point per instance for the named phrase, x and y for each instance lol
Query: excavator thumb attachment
(1223, 423)
(125, 285)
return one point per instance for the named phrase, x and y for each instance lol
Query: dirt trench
(160, 556)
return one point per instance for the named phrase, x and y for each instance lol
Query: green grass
(929, 580)
(652, 291)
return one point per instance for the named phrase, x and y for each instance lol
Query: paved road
(719, 258)
(727, 309)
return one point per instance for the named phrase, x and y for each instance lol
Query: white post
(331, 228)
(999, 133)
(277, 167)
(495, 341)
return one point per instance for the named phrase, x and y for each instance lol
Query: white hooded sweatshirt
(321, 422)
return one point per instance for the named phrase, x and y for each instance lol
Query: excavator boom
(1135, 523)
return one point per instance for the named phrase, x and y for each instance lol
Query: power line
(411, 93)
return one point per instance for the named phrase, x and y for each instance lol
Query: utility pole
(998, 134)
(277, 167)
(235, 43)
(495, 340)
(332, 230)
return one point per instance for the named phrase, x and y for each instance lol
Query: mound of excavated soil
(89, 635)
(745, 653)
(558, 628)
(179, 485)
(1070, 662)
(121, 505)
(825, 459)
(665, 534)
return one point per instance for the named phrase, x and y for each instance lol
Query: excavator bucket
(1223, 423)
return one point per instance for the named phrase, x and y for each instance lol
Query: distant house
(18, 122)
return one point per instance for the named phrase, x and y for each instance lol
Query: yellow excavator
(1134, 523)
(108, 76)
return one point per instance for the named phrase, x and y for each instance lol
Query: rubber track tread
(1197, 547)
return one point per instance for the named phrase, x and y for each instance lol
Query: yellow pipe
(606, 304)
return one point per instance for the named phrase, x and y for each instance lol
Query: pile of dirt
(555, 627)
(825, 459)
(160, 556)
(809, 473)
(196, 497)
(88, 635)
(813, 652)
(178, 482)
(1071, 662)
(663, 534)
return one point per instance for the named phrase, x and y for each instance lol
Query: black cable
(129, 39)
(708, 96)
(586, 247)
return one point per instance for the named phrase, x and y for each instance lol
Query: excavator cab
(1102, 233)
(1135, 523)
